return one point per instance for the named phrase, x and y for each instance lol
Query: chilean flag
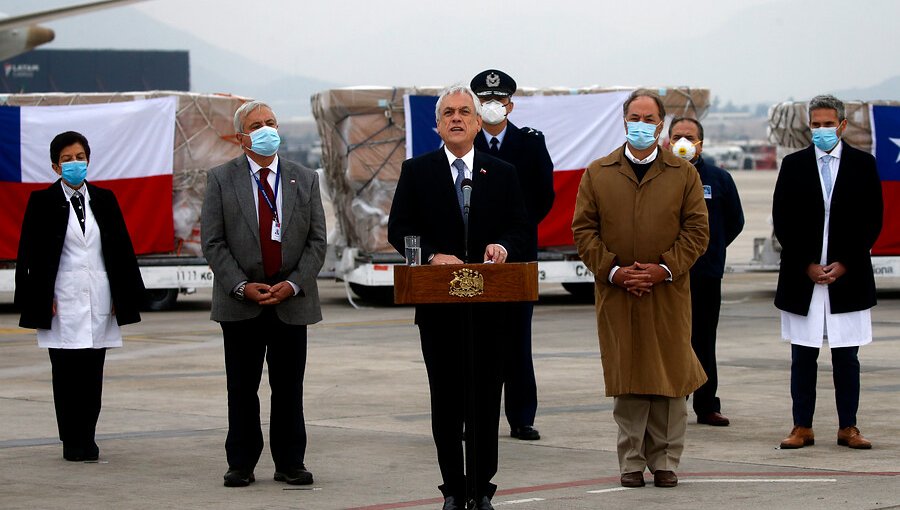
(886, 147)
(131, 154)
(578, 129)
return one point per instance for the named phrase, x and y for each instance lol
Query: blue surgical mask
(74, 172)
(825, 138)
(641, 135)
(265, 141)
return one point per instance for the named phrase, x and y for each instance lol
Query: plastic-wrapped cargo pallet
(363, 136)
(204, 138)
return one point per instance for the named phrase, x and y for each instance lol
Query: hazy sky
(747, 51)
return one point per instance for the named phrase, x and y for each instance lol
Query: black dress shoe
(525, 433)
(73, 453)
(91, 451)
(294, 476)
(484, 503)
(452, 503)
(238, 478)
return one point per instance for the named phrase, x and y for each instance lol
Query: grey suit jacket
(230, 237)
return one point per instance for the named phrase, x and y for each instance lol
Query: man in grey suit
(263, 234)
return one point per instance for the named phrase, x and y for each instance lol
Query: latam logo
(21, 70)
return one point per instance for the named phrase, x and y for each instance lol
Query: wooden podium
(465, 283)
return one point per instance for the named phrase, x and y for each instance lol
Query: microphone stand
(469, 387)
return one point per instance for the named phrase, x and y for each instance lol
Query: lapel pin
(483, 171)
(293, 181)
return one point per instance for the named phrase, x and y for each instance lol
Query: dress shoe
(715, 418)
(452, 503)
(663, 478)
(850, 436)
(633, 479)
(525, 433)
(238, 478)
(800, 437)
(484, 504)
(91, 452)
(73, 453)
(294, 476)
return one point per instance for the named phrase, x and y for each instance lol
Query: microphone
(467, 194)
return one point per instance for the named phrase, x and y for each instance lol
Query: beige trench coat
(645, 342)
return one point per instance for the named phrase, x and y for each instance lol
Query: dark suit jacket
(41, 244)
(798, 212)
(425, 204)
(229, 231)
(525, 149)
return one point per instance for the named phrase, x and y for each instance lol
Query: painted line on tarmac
(760, 480)
(614, 489)
(518, 501)
(788, 476)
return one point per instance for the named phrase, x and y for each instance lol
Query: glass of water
(413, 250)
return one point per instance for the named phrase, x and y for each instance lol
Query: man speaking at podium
(430, 202)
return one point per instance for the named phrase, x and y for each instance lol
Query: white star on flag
(897, 143)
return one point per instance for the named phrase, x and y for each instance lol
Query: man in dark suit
(77, 281)
(726, 220)
(428, 203)
(526, 150)
(263, 233)
(827, 210)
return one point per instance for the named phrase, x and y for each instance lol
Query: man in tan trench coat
(640, 223)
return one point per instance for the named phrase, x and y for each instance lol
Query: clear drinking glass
(413, 250)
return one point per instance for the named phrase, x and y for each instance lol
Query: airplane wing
(26, 20)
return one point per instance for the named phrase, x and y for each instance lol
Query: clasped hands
(824, 275)
(639, 278)
(492, 253)
(268, 294)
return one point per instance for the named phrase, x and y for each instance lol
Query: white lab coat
(839, 329)
(83, 298)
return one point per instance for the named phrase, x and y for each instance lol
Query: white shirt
(271, 178)
(468, 159)
(842, 329)
(83, 318)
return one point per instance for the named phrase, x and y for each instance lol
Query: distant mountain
(213, 69)
(889, 89)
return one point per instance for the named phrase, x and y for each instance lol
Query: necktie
(826, 173)
(460, 167)
(271, 250)
(78, 204)
(495, 144)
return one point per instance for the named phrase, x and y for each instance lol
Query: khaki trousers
(651, 431)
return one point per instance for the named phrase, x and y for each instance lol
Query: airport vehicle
(204, 138)
(367, 132)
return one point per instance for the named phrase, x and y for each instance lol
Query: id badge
(276, 231)
(707, 191)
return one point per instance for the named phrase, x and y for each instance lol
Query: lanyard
(270, 202)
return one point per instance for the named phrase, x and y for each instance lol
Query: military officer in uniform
(525, 149)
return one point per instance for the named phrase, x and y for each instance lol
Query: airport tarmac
(162, 429)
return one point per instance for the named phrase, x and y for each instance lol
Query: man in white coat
(827, 211)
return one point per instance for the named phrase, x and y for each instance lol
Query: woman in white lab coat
(77, 281)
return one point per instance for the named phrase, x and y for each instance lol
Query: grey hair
(456, 89)
(245, 110)
(827, 101)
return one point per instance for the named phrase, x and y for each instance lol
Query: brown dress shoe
(633, 479)
(800, 437)
(662, 478)
(715, 418)
(850, 436)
